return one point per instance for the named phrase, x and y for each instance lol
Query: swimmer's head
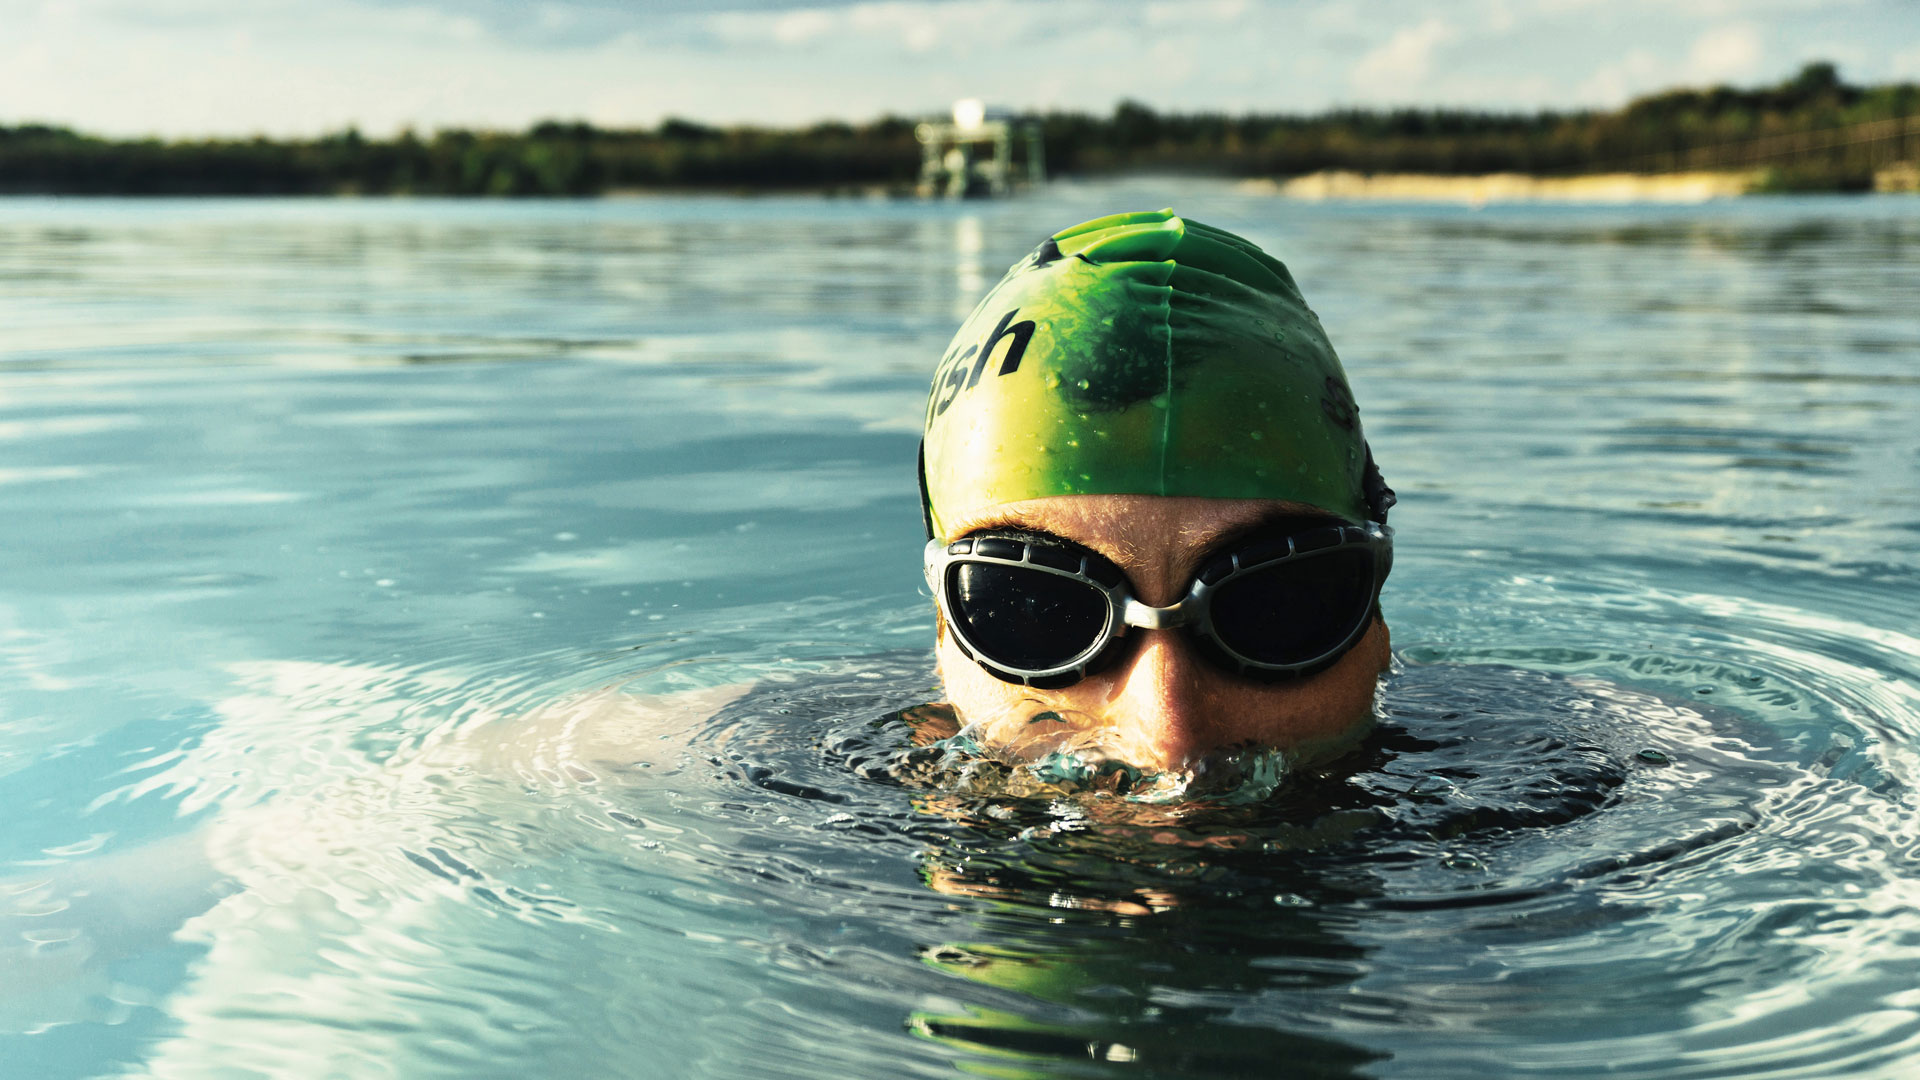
(1145, 354)
(1152, 395)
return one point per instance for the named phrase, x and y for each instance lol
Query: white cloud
(800, 27)
(961, 29)
(1500, 17)
(1906, 64)
(1725, 54)
(1613, 83)
(1189, 12)
(913, 27)
(463, 28)
(1402, 64)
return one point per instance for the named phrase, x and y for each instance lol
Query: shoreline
(1327, 185)
(1509, 187)
(1506, 187)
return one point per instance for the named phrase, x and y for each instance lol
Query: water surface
(469, 639)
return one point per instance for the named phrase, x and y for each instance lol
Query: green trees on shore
(548, 159)
(1812, 131)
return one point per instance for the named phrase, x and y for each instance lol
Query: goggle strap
(926, 501)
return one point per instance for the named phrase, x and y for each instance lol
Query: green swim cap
(1145, 354)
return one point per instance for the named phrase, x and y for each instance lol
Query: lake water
(374, 570)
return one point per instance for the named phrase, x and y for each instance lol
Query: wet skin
(1163, 705)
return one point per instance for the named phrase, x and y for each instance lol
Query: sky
(186, 68)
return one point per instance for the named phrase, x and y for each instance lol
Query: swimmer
(1156, 535)
(1156, 531)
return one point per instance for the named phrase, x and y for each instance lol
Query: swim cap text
(962, 370)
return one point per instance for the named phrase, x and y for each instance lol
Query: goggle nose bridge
(1148, 617)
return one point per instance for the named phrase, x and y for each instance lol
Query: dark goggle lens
(1024, 618)
(1296, 611)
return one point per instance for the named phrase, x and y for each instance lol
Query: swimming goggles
(1036, 609)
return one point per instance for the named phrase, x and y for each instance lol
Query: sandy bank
(1686, 187)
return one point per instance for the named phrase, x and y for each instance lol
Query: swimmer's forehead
(1123, 524)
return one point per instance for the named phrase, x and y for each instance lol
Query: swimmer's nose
(1157, 708)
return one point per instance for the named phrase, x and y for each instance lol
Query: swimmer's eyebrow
(1015, 525)
(1011, 523)
(1199, 543)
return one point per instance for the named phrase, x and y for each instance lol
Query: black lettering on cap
(951, 381)
(1021, 333)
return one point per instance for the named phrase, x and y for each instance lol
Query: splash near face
(1145, 354)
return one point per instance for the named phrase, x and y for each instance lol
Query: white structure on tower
(953, 163)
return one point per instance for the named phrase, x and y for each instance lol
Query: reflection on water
(552, 708)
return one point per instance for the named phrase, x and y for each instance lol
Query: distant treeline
(1813, 131)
